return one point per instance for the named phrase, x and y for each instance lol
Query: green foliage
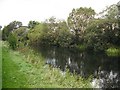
(37, 34)
(118, 6)
(21, 34)
(32, 24)
(62, 35)
(5, 33)
(101, 33)
(113, 51)
(53, 34)
(81, 47)
(63, 38)
(112, 12)
(12, 41)
(9, 28)
(80, 29)
(79, 19)
(26, 69)
(88, 33)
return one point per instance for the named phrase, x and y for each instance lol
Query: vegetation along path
(28, 70)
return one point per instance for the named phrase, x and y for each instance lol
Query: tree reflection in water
(104, 69)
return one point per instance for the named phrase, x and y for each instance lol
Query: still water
(105, 70)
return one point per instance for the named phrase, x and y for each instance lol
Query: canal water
(104, 69)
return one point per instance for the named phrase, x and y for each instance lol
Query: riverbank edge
(42, 74)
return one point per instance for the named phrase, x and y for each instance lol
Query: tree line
(84, 29)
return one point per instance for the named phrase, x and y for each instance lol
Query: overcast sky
(39, 10)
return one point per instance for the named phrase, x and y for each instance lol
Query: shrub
(81, 47)
(12, 41)
(113, 51)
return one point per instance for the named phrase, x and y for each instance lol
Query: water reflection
(104, 69)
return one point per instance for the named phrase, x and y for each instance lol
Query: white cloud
(26, 10)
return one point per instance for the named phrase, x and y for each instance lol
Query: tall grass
(45, 76)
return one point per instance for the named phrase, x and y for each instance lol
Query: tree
(58, 32)
(118, 6)
(95, 38)
(112, 15)
(37, 34)
(9, 28)
(5, 33)
(21, 34)
(63, 36)
(12, 41)
(32, 24)
(112, 12)
(102, 34)
(52, 23)
(14, 25)
(78, 20)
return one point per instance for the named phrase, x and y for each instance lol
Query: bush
(21, 34)
(12, 41)
(38, 34)
(42, 34)
(63, 38)
(100, 34)
(113, 51)
(81, 47)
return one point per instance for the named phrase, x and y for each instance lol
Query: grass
(26, 69)
(12, 76)
(0, 64)
(113, 51)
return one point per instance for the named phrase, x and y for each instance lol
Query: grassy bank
(25, 68)
(0, 64)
